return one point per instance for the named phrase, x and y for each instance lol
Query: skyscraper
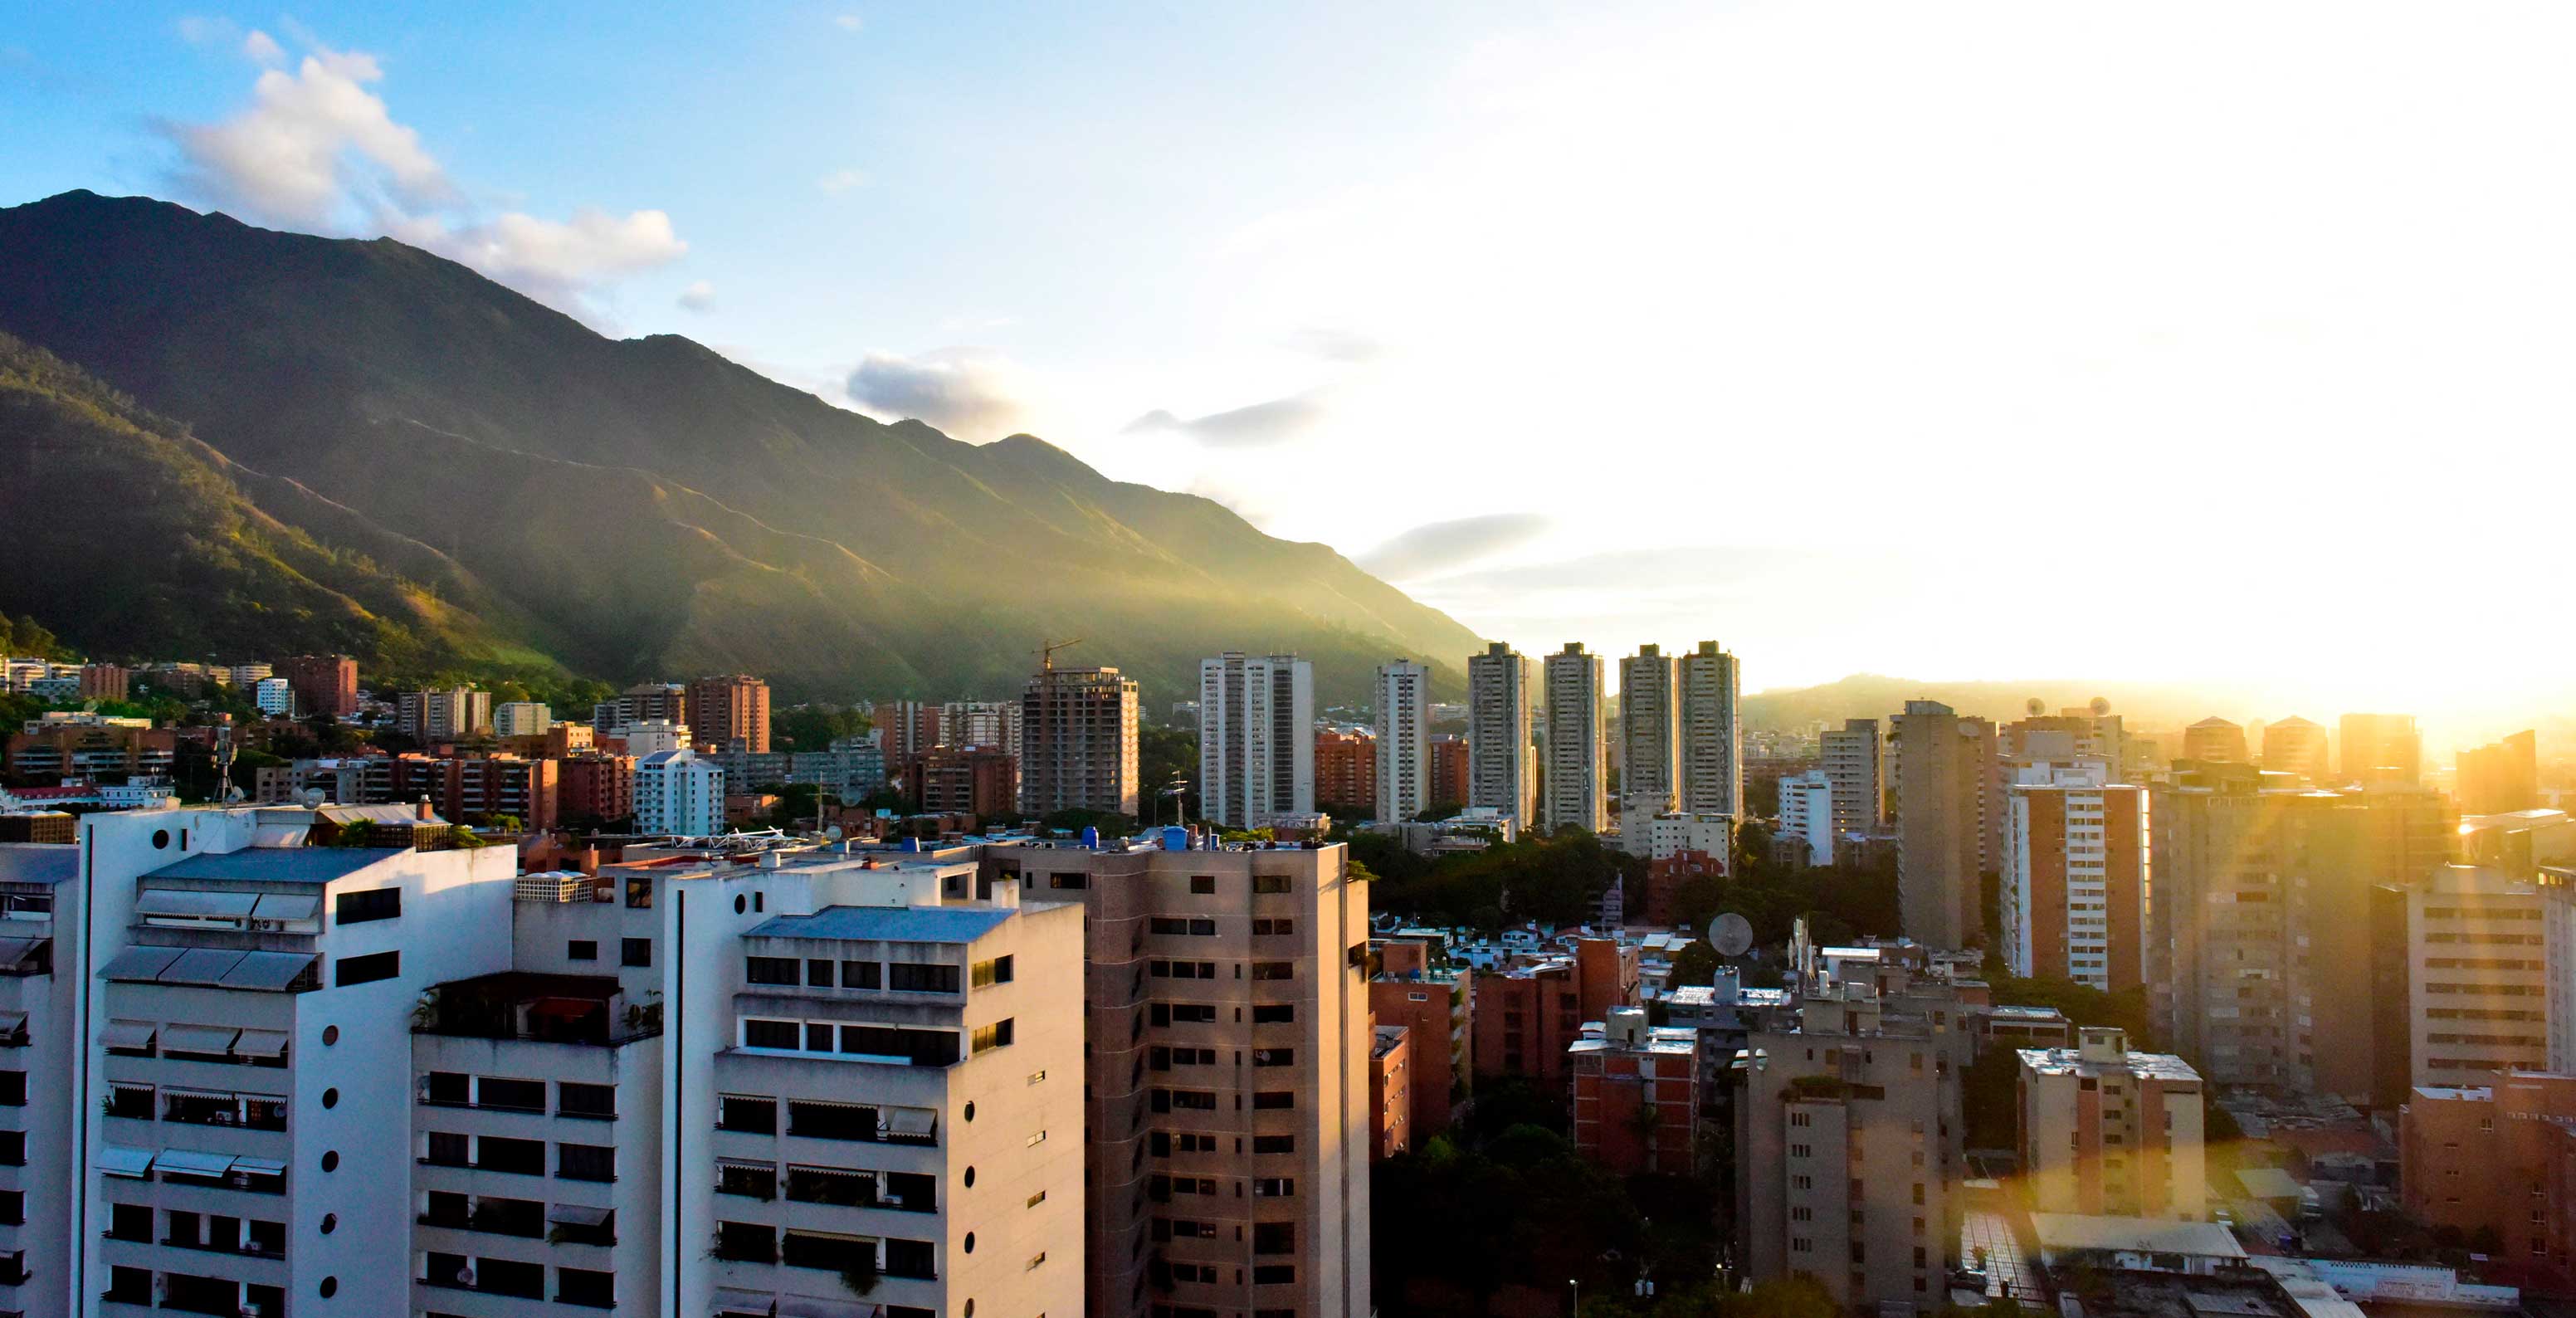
(1256, 738)
(1945, 784)
(1712, 745)
(1854, 764)
(1574, 750)
(2295, 745)
(1649, 727)
(1078, 742)
(1403, 740)
(2499, 778)
(1502, 773)
(724, 711)
(2074, 889)
(905, 729)
(324, 683)
(2380, 747)
(2215, 741)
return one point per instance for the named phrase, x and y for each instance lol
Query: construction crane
(1046, 653)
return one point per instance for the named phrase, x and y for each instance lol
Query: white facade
(1681, 831)
(1403, 740)
(680, 794)
(275, 696)
(1807, 813)
(1575, 786)
(522, 718)
(1649, 725)
(653, 736)
(1855, 764)
(1502, 767)
(1256, 738)
(1711, 756)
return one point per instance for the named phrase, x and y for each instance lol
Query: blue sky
(1992, 339)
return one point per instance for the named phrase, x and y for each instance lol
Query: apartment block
(2076, 878)
(1346, 771)
(1946, 804)
(730, 712)
(1503, 764)
(680, 794)
(2499, 778)
(668, 701)
(1650, 727)
(468, 789)
(1403, 704)
(450, 714)
(41, 1033)
(907, 728)
(325, 684)
(1449, 770)
(2110, 1132)
(1576, 768)
(1707, 687)
(103, 682)
(1256, 738)
(1855, 765)
(521, 718)
(2215, 741)
(1437, 1007)
(50, 749)
(595, 788)
(1807, 813)
(1528, 1016)
(1636, 1095)
(2379, 748)
(1078, 742)
(1390, 1093)
(965, 723)
(2492, 1158)
(2477, 976)
(2298, 747)
(980, 782)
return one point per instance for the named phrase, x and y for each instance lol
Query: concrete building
(730, 712)
(983, 782)
(2379, 748)
(906, 728)
(1256, 738)
(1437, 1007)
(1636, 1095)
(1576, 784)
(2107, 1131)
(2492, 1158)
(42, 989)
(103, 682)
(595, 788)
(679, 794)
(654, 736)
(51, 749)
(642, 701)
(2499, 778)
(1078, 742)
(1403, 740)
(964, 723)
(2215, 741)
(1676, 832)
(1449, 770)
(1946, 803)
(1807, 813)
(1528, 1016)
(449, 714)
(522, 718)
(1707, 688)
(2078, 864)
(274, 697)
(1390, 1093)
(1346, 772)
(1650, 733)
(2478, 978)
(466, 789)
(1853, 761)
(325, 684)
(2296, 746)
(1503, 764)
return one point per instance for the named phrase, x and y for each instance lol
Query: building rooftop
(38, 862)
(1389, 1037)
(887, 924)
(277, 864)
(2145, 1235)
(2071, 1061)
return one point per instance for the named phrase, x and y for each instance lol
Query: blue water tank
(1175, 838)
(1091, 838)
(910, 844)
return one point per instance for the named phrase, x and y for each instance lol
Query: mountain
(639, 508)
(2143, 706)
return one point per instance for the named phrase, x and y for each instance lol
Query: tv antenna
(1731, 934)
(1046, 652)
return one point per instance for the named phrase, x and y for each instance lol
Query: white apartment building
(1679, 830)
(275, 696)
(679, 793)
(653, 736)
(2478, 979)
(1256, 738)
(2078, 870)
(40, 1053)
(1807, 813)
(1575, 784)
(980, 723)
(1855, 763)
(1707, 687)
(1403, 740)
(1502, 767)
(2110, 1132)
(523, 718)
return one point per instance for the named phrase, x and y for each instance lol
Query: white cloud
(1437, 547)
(202, 30)
(841, 180)
(1258, 426)
(263, 48)
(698, 296)
(965, 392)
(849, 22)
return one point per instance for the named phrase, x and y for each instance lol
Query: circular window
(970, 1178)
(330, 1287)
(330, 1035)
(970, 1242)
(330, 1098)
(160, 839)
(738, 903)
(330, 1223)
(331, 1160)
(970, 1109)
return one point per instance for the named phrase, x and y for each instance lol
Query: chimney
(421, 811)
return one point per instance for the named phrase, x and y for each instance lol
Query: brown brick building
(1346, 773)
(323, 683)
(595, 786)
(727, 710)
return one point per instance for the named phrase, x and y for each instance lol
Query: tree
(1696, 964)
(815, 727)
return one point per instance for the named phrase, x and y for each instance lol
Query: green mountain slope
(645, 507)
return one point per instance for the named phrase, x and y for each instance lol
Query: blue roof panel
(277, 864)
(887, 924)
(37, 862)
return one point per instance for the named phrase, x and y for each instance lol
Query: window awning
(199, 1038)
(747, 1164)
(189, 1162)
(911, 1120)
(127, 1034)
(804, 1306)
(260, 1166)
(828, 1103)
(577, 1215)
(271, 971)
(290, 906)
(202, 965)
(746, 1304)
(117, 1161)
(187, 904)
(140, 963)
(15, 950)
(261, 1043)
(12, 1021)
(183, 1091)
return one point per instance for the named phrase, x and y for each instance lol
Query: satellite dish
(2034, 706)
(2101, 706)
(1731, 934)
(834, 833)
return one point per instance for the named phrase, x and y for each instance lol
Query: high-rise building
(653, 736)
(979, 781)
(980, 723)
(2499, 778)
(275, 697)
(521, 718)
(1575, 790)
(2478, 978)
(1649, 727)
(451, 714)
(1449, 769)
(678, 793)
(2379, 748)
(596, 788)
(2075, 877)
(906, 728)
(2110, 1132)
(1854, 764)
(1707, 689)
(1078, 742)
(325, 684)
(2296, 746)
(1502, 772)
(640, 702)
(730, 713)
(1807, 813)
(1346, 771)
(1636, 1096)
(1946, 772)
(2215, 741)
(1256, 738)
(1403, 740)
(104, 682)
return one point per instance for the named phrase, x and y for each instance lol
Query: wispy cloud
(1437, 547)
(965, 392)
(698, 296)
(1334, 345)
(848, 22)
(841, 180)
(1260, 425)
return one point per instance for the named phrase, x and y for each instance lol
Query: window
(367, 969)
(585, 1162)
(1274, 1237)
(988, 973)
(1184, 1100)
(1275, 1013)
(586, 1287)
(746, 1113)
(746, 1242)
(448, 1088)
(1271, 883)
(1185, 1013)
(13, 1089)
(769, 970)
(1274, 1144)
(772, 1034)
(595, 1102)
(636, 952)
(447, 1149)
(582, 949)
(1274, 1187)
(1272, 1099)
(1183, 969)
(818, 973)
(1069, 881)
(754, 1180)
(521, 1157)
(512, 1095)
(1202, 885)
(989, 1037)
(862, 975)
(373, 904)
(1279, 926)
(1274, 1057)
(129, 1222)
(1274, 970)
(1274, 1274)
(911, 977)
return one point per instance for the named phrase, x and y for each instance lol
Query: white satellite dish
(834, 832)
(1731, 934)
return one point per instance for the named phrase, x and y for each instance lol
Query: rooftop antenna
(1046, 653)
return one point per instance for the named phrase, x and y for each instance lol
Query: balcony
(569, 1009)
